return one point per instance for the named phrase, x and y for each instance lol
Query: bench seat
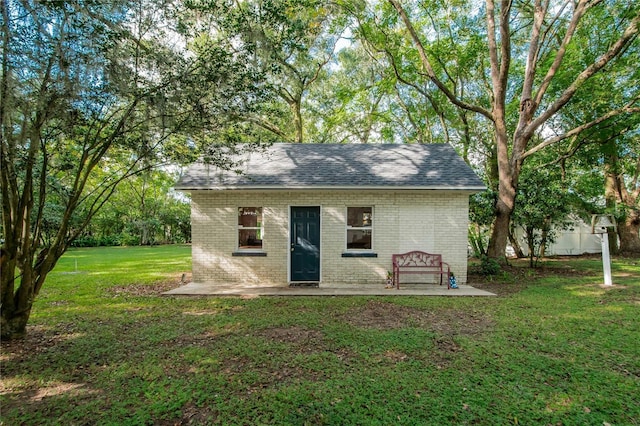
(419, 262)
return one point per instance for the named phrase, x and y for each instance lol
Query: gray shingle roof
(345, 166)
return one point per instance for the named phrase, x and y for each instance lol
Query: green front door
(305, 243)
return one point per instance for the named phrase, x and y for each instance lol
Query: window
(250, 229)
(359, 228)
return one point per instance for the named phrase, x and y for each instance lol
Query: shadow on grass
(541, 354)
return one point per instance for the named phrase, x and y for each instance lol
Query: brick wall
(433, 221)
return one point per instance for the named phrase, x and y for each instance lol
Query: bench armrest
(448, 274)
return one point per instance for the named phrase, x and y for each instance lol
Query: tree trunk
(544, 237)
(617, 196)
(534, 83)
(531, 244)
(297, 120)
(16, 304)
(610, 188)
(515, 244)
(628, 231)
(475, 237)
(13, 323)
(507, 181)
(499, 233)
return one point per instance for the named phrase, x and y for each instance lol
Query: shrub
(489, 266)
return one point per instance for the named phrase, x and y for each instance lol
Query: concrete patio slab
(212, 289)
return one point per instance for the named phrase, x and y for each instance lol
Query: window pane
(250, 239)
(359, 217)
(358, 239)
(250, 217)
(250, 227)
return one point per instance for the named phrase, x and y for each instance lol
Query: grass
(104, 348)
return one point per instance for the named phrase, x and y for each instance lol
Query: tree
(292, 42)
(535, 68)
(143, 210)
(91, 93)
(609, 148)
(354, 102)
(611, 183)
(544, 207)
(622, 173)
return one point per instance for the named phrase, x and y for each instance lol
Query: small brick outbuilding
(328, 214)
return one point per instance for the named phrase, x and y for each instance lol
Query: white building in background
(573, 241)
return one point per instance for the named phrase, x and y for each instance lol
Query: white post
(606, 260)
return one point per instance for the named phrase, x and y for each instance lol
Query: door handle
(292, 248)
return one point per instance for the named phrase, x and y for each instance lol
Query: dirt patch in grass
(286, 367)
(303, 339)
(15, 357)
(454, 322)
(35, 397)
(381, 316)
(499, 288)
(445, 324)
(387, 316)
(395, 356)
(192, 415)
(201, 340)
(154, 289)
(266, 374)
(37, 340)
(620, 294)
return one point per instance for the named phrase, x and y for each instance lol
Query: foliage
(515, 66)
(544, 204)
(143, 210)
(488, 266)
(91, 241)
(481, 207)
(91, 91)
(104, 348)
(291, 43)
(355, 103)
(609, 149)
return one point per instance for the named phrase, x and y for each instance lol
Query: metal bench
(419, 262)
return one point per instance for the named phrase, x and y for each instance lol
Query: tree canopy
(93, 94)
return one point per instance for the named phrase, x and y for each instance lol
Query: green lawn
(105, 348)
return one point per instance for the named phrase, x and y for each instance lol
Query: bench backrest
(418, 259)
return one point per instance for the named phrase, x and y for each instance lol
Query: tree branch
(627, 37)
(505, 47)
(534, 46)
(429, 69)
(627, 109)
(266, 125)
(578, 13)
(493, 49)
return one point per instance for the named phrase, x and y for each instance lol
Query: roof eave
(471, 188)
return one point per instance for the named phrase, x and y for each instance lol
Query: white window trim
(240, 227)
(358, 228)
